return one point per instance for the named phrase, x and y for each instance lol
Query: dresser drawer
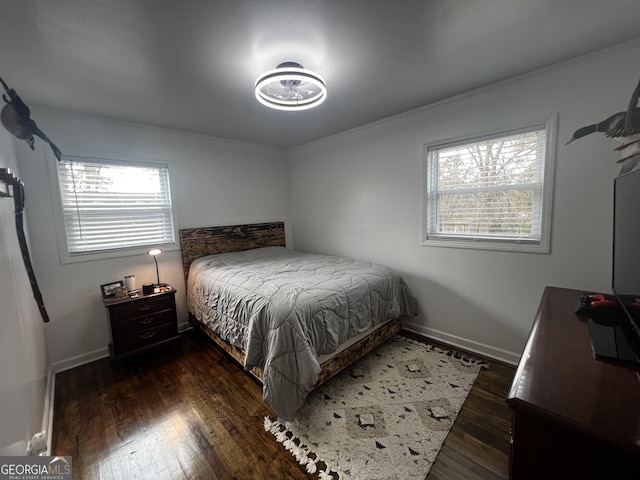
(141, 308)
(137, 324)
(147, 337)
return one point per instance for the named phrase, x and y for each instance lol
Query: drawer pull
(147, 335)
(146, 321)
(144, 308)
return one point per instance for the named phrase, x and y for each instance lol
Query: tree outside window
(489, 191)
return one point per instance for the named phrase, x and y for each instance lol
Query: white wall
(23, 357)
(360, 194)
(217, 182)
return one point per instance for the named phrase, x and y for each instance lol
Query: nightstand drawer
(147, 337)
(142, 323)
(125, 327)
(141, 308)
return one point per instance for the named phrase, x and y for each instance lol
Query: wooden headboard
(199, 242)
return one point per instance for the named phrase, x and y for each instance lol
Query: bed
(293, 319)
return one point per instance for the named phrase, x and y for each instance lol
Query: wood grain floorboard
(189, 412)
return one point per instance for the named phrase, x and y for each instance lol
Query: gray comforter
(285, 308)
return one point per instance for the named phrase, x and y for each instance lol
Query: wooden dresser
(574, 416)
(139, 324)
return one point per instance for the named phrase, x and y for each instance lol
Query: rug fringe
(302, 453)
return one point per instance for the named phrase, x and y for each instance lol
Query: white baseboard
(80, 360)
(40, 443)
(499, 354)
(47, 422)
(89, 357)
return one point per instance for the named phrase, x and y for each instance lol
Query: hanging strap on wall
(17, 192)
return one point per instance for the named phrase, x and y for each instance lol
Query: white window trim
(61, 235)
(544, 246)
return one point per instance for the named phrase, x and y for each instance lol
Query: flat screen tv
(617, 336)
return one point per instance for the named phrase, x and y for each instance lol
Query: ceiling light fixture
(290, 87)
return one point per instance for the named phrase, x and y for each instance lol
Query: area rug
(385, 417)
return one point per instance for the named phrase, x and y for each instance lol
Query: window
(491, 191)
(114, 205)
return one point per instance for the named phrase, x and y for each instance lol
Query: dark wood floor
(189, 412)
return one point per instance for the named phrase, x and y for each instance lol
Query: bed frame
(199, 242)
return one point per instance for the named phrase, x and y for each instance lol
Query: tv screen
(617, 336)
(626, 234)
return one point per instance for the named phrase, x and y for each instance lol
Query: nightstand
(142, 323)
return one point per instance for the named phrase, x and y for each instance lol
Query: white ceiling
(191, 64)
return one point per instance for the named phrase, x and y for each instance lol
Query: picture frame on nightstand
(108, 290)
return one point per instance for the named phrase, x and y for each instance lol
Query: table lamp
(155, 252)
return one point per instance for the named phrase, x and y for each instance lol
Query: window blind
(488, 189)
(114, 205)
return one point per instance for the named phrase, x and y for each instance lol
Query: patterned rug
(385, 417)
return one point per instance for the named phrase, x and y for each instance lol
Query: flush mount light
(290, 87)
